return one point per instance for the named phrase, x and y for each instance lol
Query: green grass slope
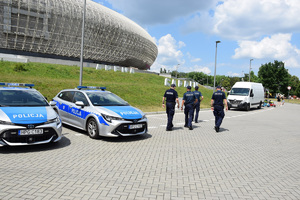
(144, 91)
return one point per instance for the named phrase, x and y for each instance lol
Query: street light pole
(207, 78)
(177, 69)
(82, 42)
(250, 70)
(215, 64)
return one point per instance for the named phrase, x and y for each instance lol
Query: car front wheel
(92, 128)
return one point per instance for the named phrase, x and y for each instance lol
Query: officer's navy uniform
(171, 95)
(219, 114)
(198, 95)
(189, 99)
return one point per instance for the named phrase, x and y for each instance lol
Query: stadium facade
(54, 27)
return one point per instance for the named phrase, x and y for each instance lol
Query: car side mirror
(79, 103)
(251, 95)
(52, 103)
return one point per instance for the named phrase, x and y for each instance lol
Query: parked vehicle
(26, 118)
(246, 95)
(99, 112)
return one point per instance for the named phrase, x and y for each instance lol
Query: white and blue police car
(99, 112)
(26, 118)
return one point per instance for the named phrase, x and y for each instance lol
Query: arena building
(53, 28)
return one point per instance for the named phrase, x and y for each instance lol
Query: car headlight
(110, 118)
(55, 120)
(144, 117)
(6, 123)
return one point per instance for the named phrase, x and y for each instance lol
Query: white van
(246, 95)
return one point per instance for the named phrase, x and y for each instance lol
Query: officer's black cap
(219, 87)
(196, 87)
(173, 85)
(189, 87)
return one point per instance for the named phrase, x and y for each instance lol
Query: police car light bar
(91, 87)
(17, 84)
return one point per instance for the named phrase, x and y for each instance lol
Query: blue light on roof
(91, 87)
(18, 84)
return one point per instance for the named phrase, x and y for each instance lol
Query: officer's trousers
(189, 112)
(219, 115)
(196, 111)
(170, 113)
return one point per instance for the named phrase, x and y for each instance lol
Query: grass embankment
(144, 91)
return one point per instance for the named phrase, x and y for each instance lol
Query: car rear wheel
(92, 128)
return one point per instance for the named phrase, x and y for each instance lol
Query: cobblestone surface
(255, 156)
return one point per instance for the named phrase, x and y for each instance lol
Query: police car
(99, 112)
(26, 118)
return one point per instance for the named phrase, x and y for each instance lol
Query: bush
(20, 67)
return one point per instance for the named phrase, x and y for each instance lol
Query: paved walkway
(255, 156)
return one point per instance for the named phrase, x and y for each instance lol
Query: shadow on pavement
(177, 128)
(112, 139)
(126, 139)
(64, 142)
(223, 130)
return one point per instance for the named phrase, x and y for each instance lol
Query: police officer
(171, 97)
(199, 97)
(217, 106)
(188, 101)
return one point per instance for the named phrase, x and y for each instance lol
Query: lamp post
(215, 64)
(177, 69)
(207, 78)
(243, 76)
(82, 42)
(250, 70)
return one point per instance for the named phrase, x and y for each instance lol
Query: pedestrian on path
(171, 97)
(188, 101)
(199, 97)
(278, 100)
(218, 100)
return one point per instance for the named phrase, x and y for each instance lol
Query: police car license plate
(30, 132)
(135, 126)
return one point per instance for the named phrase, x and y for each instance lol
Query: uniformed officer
(199, 97)
(217, 106)
(171, 97)
(188, 101)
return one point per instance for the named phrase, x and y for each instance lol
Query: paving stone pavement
(255, 156)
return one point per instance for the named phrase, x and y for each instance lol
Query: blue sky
(186, 33)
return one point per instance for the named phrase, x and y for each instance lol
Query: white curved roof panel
(54, 27)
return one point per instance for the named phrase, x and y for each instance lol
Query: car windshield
(239, 91)
(21, 98)
(105, 99)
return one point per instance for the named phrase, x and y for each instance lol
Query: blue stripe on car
(126, 112)
(79, 112)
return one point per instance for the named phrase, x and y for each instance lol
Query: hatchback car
(99, 112)
(26, 118)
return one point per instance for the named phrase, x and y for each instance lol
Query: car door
(79, 113)
(65, 105)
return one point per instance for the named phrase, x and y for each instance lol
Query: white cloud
(241, 19)
(276, 47)
(169, 55)
(191, 58)
(197, 68)
(232, 74)
(196, 60)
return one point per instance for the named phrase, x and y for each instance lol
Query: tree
(274, 77)
(294, 83)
